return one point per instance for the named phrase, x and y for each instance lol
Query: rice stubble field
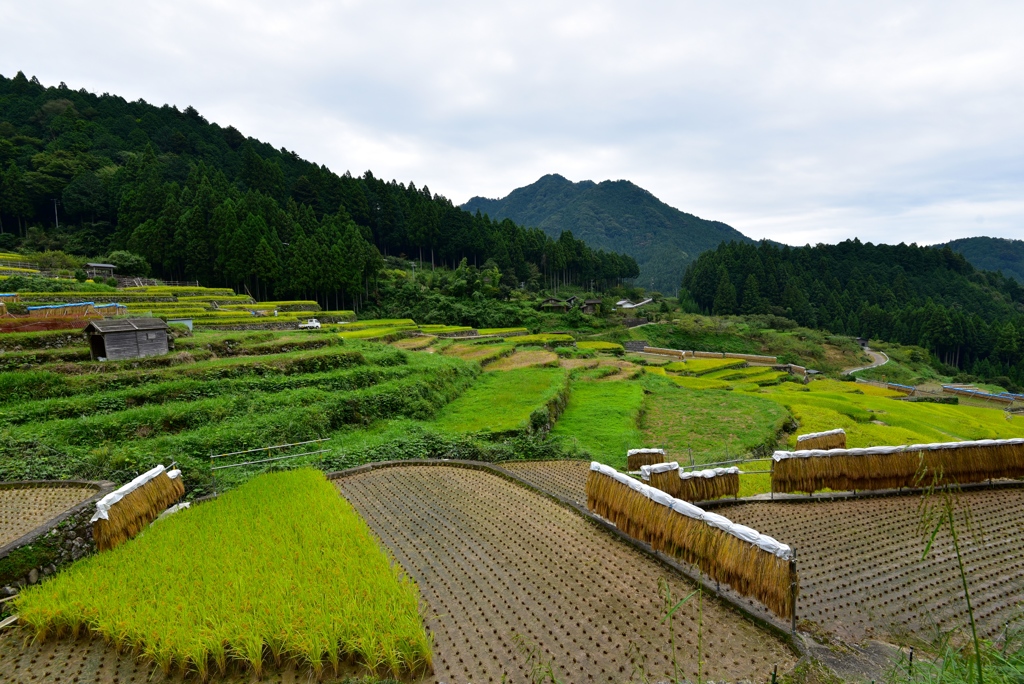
(505, 572)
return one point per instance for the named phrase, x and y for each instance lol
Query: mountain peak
(615, 215)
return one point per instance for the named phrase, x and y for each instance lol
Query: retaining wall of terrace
(60, 540)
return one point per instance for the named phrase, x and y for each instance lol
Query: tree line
(971, 320)
(90, 174)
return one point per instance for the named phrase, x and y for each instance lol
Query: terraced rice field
(861, 568)
(503, 571)
(22, 509)
(567, 479)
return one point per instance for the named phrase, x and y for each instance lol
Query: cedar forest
(201, 202)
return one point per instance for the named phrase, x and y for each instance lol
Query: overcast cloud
(797, 121)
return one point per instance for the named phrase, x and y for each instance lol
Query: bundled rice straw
(123, 513)
(699, 485)
(641, 457)
(890, 467)
(751, 563)
(830, 439)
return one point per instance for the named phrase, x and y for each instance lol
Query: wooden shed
(99, 270)
(591, 306)
(126, 338)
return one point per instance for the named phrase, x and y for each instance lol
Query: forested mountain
(992, 254)
(972, 320)
(614, 215)
(89, 174)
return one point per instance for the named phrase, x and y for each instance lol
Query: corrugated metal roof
(100, 265)
(125, 325)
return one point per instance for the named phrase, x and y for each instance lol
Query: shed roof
(125, 325)
(592, 301)
(100, 265)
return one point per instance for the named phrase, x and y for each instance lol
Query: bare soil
(567, 479)
(862, 573)
(25, 508)
(505, 573)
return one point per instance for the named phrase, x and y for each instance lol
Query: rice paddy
(505, 571)
(282, 570)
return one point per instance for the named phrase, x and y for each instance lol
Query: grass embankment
(523, 399)
(600, 420)
(282, 569)
(114, 423)
(871, 417)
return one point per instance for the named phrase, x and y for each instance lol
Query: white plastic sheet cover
(647, 470)
(762, 541)
(104, 504)
(174, 474)
(631, 452)
(826, 433)
(812, 453)
(709, 473)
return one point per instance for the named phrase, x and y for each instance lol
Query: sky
(802, 122)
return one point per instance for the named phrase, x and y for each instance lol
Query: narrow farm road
(877, 359)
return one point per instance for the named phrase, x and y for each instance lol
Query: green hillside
(992, 254)
(617, 216)
(93, 174)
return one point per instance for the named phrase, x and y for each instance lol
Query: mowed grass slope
(708, 422)
(600, 420)
(871, 417)
(281, 567)
(505, 402)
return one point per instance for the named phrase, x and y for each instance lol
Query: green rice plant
(600, 420)
(283, 566)
(700, 383)
(871, 417)
(703, 366)
(600, 346)
(551, 339)
(520, 400)
(376, 333)
(502, 331)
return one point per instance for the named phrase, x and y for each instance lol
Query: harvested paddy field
(861, 568)
(567, 479)
(24, 508)
(506, 573)
(524, 359)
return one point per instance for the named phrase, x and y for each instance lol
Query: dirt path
(877, 359)
(505, 572)
(861, 571)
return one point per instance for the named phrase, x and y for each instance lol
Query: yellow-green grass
(600, 420)
(379, 323)
(281, 568)
(542, 338)
(655, 370)
(753, 483)
(712, 424)
(502, 403)
(502, 331)
(444, 329)
(599, 346)
(375, 333)
(702, 366)
(17, 269)
(871, 418)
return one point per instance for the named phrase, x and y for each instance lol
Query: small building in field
(554, 304)
(591, 306)
(99, 270)
(126, 338)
